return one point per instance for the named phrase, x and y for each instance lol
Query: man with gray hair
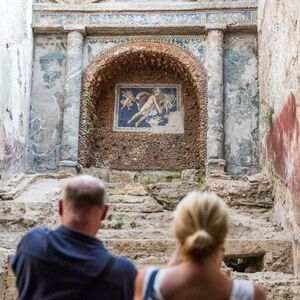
(70, 262)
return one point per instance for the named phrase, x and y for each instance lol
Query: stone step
(273, 255)
(138, 227)
(38, 186)
(252, 191)
(141, 213)
(18, 216)
(278, 285)
(248, 192)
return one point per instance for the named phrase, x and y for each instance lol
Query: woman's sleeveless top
(241, 290)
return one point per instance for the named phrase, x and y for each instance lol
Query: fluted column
(70, 134)
(215, 94)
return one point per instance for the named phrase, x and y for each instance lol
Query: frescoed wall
(45, 127)
(184, 25)
(241, 150)
(241, 103)
(280, 100)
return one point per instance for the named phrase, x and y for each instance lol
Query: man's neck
(85, 229)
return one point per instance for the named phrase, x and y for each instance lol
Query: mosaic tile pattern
(94, 46)
(51, 65)
(235, 17)
(143, 19)
(138, 19)
(148, 108)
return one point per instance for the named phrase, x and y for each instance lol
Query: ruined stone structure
(157, 98)
(82, 52)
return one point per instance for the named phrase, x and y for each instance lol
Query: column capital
(77, 28)
(216, 27)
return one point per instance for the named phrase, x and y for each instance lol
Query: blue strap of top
(150, 285)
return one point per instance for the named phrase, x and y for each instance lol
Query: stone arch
(163, 58)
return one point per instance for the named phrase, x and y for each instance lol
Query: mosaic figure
(147, 105)
(128, 100)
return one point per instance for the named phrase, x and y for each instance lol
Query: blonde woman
(200, 227)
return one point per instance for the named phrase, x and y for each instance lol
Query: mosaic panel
(54, 19)
(148, 108)
(67, 1)
(138, 19)
(142, 19)
(236, 17)
(195, 45)
(51, 65)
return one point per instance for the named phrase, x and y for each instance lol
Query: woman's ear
(60, 207)
(221, 255)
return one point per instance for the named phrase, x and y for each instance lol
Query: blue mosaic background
(125, 113)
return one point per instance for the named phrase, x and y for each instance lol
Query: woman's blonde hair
(200, 224)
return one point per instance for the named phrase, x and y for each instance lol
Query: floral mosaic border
(142, 19)
(194, 45)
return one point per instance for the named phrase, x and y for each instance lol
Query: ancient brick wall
(279, 28)
(15, 84)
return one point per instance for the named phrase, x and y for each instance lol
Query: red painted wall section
(283, 143)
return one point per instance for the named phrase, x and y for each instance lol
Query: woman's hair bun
(198, 244)
(200, 224)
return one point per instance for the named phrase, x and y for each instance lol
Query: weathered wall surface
(241, 103)
(46, 115)
(144, 151)
(16, 46)
(279, 49)
(240, 94)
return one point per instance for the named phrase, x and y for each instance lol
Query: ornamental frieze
(68, 1)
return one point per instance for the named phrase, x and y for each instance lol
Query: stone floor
(139, 221)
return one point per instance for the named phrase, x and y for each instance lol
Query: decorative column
(70, 133)
(215, 105)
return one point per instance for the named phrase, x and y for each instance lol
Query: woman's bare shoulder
(259, 293)
(139, 284)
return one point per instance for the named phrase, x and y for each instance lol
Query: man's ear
(104, 211)
(60, 207)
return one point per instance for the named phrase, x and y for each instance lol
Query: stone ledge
(148, 6)
(123, 22)
(276, 253)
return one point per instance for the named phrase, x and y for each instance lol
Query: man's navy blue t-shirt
(66, 264)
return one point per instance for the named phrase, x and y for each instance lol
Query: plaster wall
(279, 48)
(16, 44)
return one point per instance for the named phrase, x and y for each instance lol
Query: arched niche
(142, 63)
